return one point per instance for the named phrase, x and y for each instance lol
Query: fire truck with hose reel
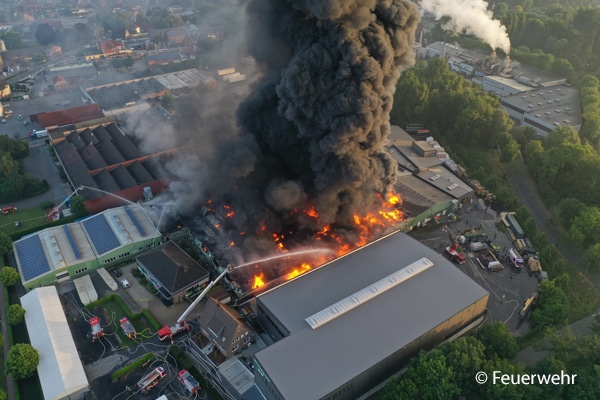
(182, 325)
(151, 380)
(97, 331)
(190, 383)
(127, 327)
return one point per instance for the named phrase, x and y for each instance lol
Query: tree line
(14, 182)
(449, 371)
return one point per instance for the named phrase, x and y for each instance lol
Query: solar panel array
(137, 224)
(32, 257)
(72, 241)
(102, 235)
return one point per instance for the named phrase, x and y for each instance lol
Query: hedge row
(128, 314)
(134, 365)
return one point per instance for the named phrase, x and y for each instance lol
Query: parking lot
(508, 288)
(104, 356)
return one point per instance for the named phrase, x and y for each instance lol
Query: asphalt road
(525, 189)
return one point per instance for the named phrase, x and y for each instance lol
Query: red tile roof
(70, 115)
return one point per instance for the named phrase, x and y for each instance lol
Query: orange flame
(231, 244)
(298, 271)
(230, 214)
(258, 281)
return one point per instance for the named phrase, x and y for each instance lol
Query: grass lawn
(112, 311)
(30, 218)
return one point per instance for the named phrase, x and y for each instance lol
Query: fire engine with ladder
(54, 214)
(190, 383)
(127, 327)
(97, 331)
(151, 380)
(182, 325)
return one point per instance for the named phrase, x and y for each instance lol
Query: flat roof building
(343, 328)
(68, 251)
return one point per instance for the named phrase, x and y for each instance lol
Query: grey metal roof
(310, 363)
(173, 267)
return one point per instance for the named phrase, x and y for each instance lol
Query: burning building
(306, 165)
(346, 326)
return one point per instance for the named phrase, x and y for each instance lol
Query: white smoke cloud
(471, 16)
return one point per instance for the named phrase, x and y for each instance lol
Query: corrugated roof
(309, 364)
(70, 115)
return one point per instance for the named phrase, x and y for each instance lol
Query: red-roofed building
(69, 115)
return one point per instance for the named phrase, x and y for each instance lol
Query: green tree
(116, 63)
(9, 276)
(12, 40)
(167, 100)
(128, 62)
(509, 148)
(498, 341)
(15, 314)
(22, 361)
(5, 244)
(3, 395)
(429, 374)
(560, 135)
(591, 258)
(38, 58)
(568, 209)
(78, 207)
(552, 305)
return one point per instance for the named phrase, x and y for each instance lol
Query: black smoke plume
(312, 131)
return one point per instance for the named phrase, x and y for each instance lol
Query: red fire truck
(169, 331)
(149, 381)
(190, 383)
(97, 331)
(127, 327)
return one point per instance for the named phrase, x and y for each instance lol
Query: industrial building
(426, 181)
(531, 97)
(68, 116)
(173, 273)
(343, 328)
(60, 369)
(68, 251)
(109, 166)
(131, 93)
(545, 108)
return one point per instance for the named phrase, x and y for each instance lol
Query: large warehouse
(343, 328)
(68, 251)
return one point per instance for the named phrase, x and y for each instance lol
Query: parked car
(117, 272)
(25, 123)
(125, 283)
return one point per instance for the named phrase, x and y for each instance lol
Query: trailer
(97, 331)
(190, 383)
(489, 261)
(170, 331)
(127, 327)
(151, 380)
